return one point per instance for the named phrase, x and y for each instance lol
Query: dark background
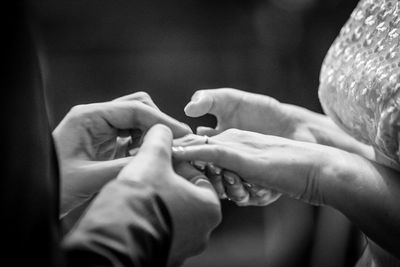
(96, 50)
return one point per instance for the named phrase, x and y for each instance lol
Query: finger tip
(190, 110)
(187, 129)
(179, 153)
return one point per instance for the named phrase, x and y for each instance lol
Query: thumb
(218, 102)
(201, 104)
(157, 144)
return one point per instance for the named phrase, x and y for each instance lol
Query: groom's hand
(93, 141)
(191, 200)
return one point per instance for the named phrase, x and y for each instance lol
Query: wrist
(338, 176)
(303, 123)
(313, 127)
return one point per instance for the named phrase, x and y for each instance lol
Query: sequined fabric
(360, 78)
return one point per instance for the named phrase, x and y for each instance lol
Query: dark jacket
(126, 225)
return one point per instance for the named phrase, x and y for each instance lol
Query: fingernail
(201, 165)
(247, 185)
(223, 196)
(214, 169)
(217, 170)
(262, 193)
(229, 179)
(201, 181)
(197, 177)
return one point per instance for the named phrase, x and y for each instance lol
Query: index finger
(139, 96)
(125, 115)
(212, 101)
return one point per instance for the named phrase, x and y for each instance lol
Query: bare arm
(367, 193)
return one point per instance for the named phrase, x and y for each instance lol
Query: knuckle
(78, 110)
(190, 138)
(136, 109)
(136, 105)
(81, 114)
(142, 95)
(163, 129)
(200, 91)
(161, 151)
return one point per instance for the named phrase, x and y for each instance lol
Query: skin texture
(93, 141)
(263, 114)
(364, 191)
(354, 183)
(260, 159)
(192, 201)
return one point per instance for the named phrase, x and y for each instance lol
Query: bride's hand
(228, 184)
(272, 162)
(246, 194)
(252, 112)
(248, 111)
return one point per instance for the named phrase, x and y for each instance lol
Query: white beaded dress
(360, 89)
(360, 78)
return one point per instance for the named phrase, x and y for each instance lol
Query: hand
(227, 183)
(252, 112)
(93, 141)
(193, 204)
(272, 162)
(247, 111)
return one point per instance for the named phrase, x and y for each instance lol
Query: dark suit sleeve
(126, 225)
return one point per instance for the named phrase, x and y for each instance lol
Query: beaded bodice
(360, 78)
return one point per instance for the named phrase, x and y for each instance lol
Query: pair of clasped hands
(252, 156)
